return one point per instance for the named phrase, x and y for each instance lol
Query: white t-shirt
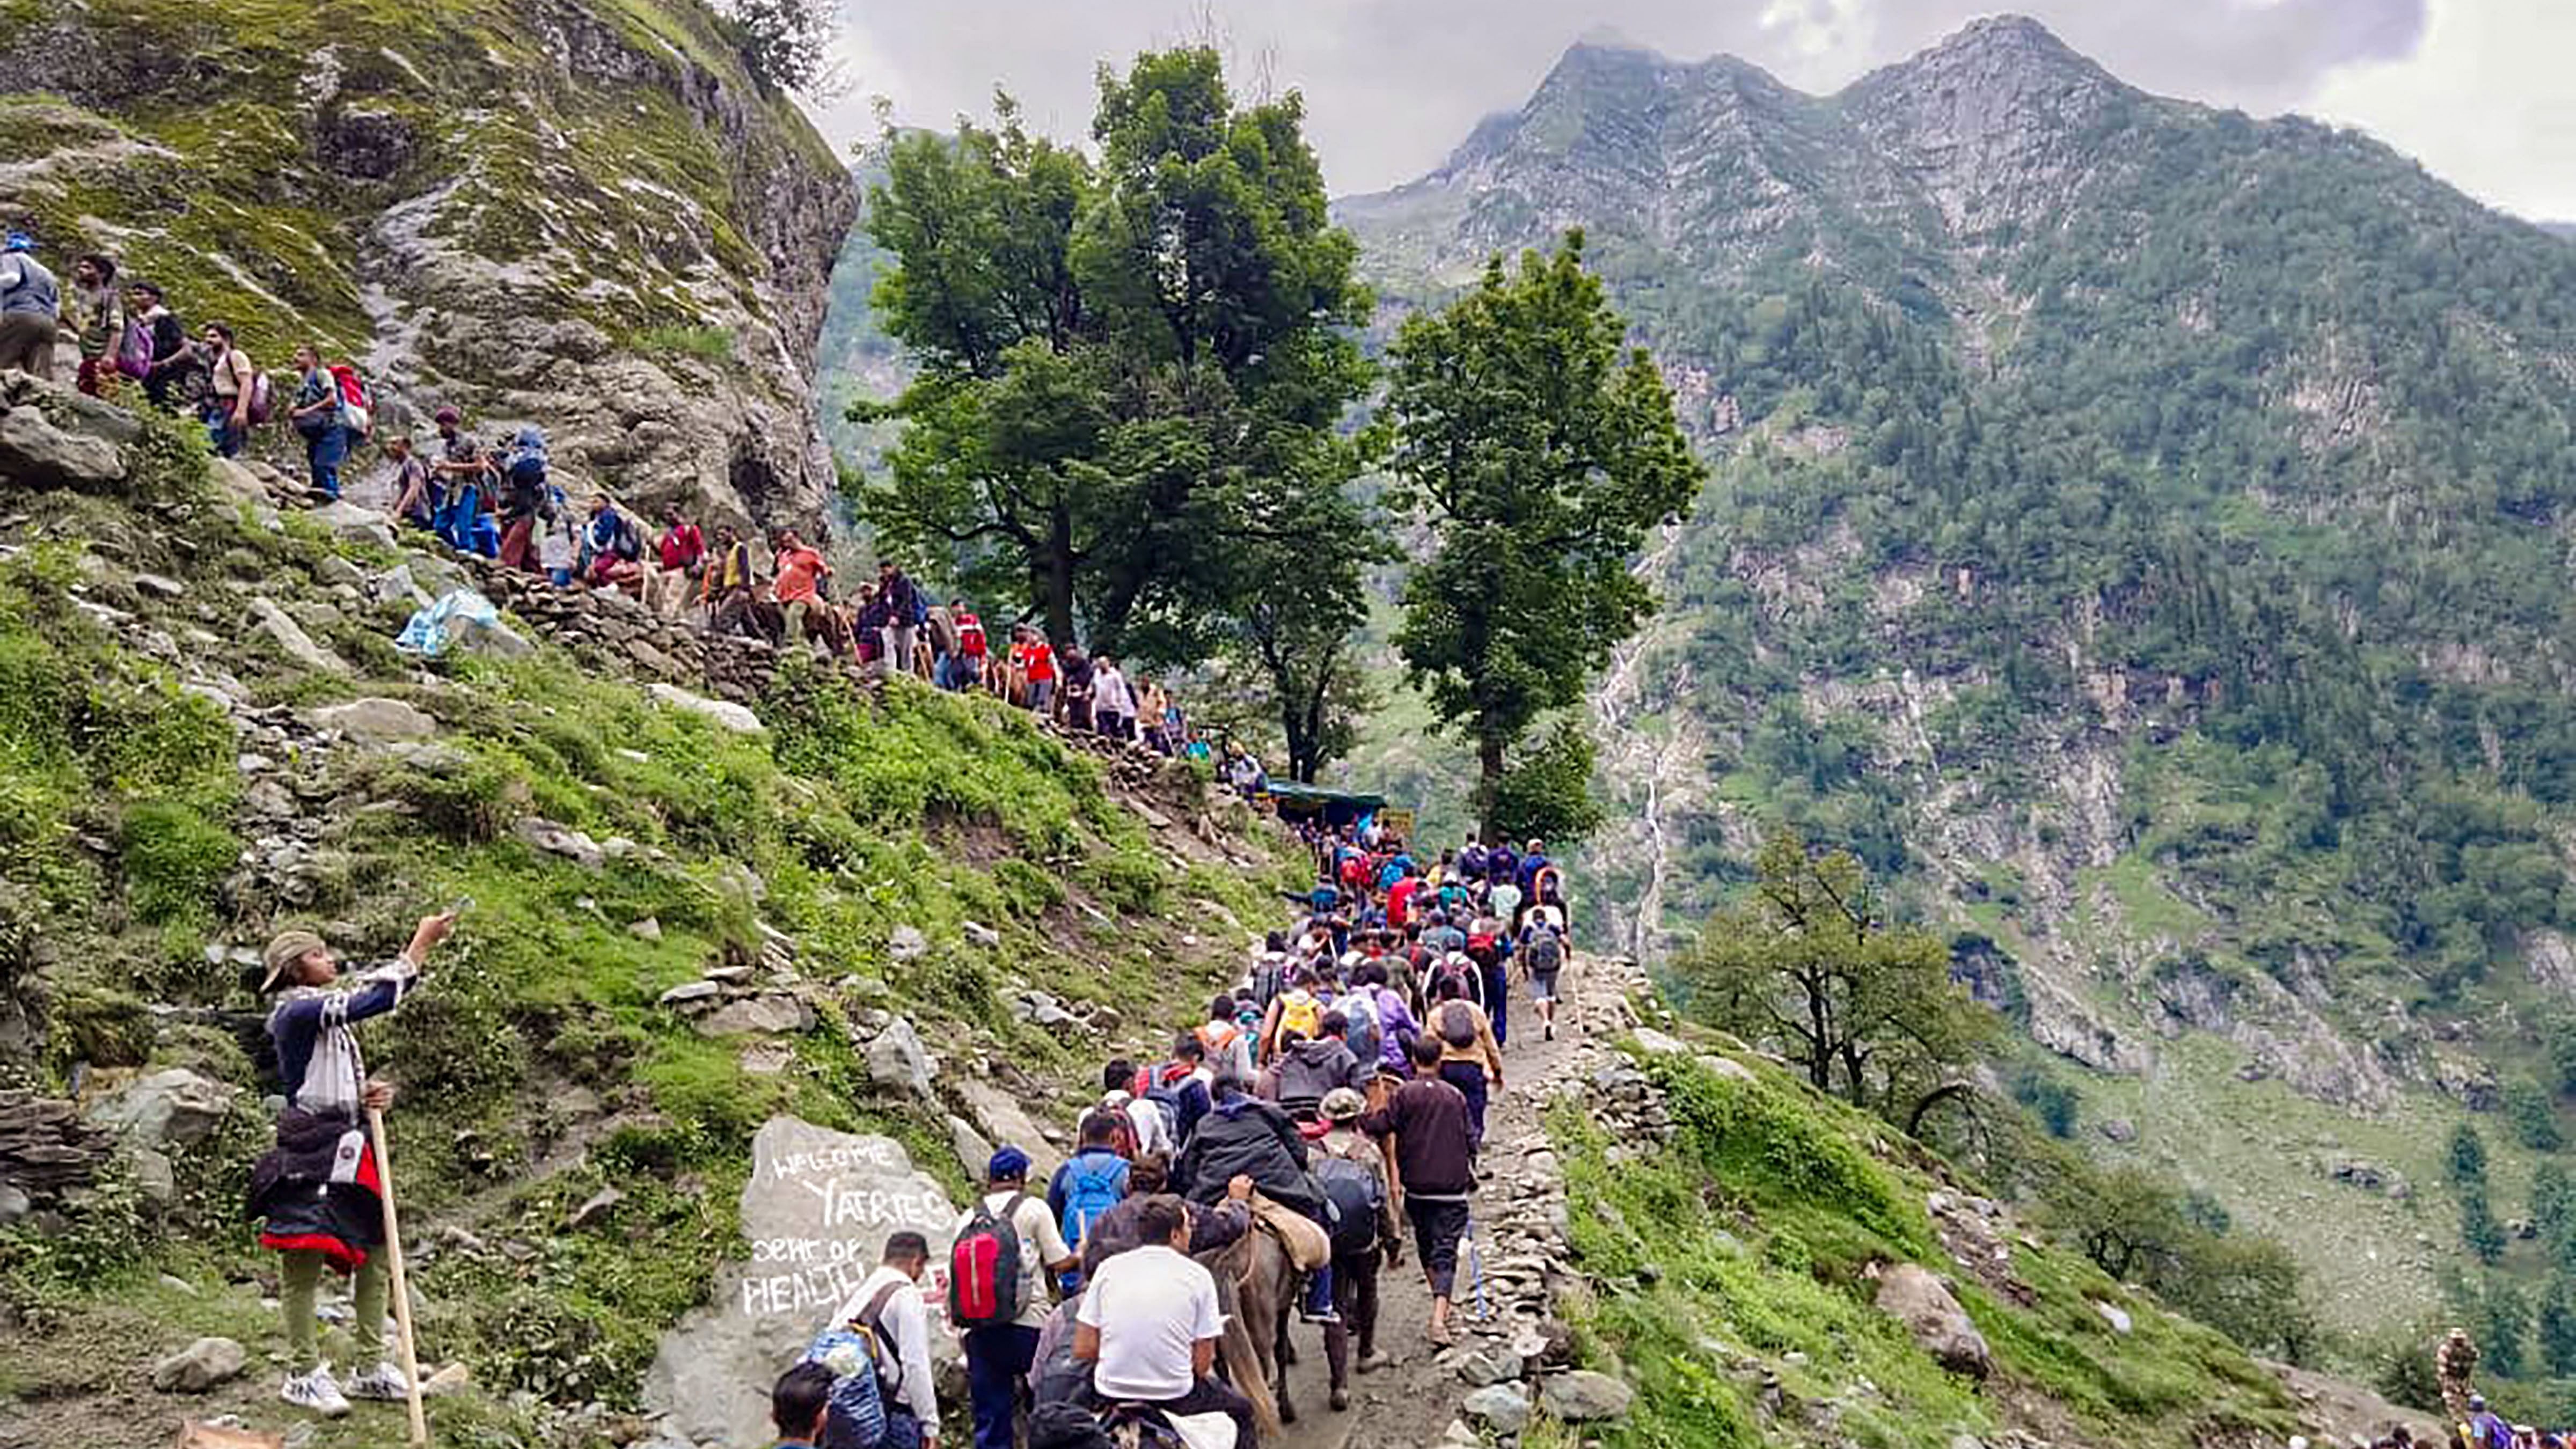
(907, 1324)
(1153, 1132)
(1152, 1306)
(1041, 1243)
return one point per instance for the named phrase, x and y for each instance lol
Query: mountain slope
(580, 213)
(2138, 531)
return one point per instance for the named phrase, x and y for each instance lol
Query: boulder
(688, 992)
(774, 1014)
(1483, 1366)
(374, 719)
(1909, 1293)
(1583, 1397)
(1503, 1408)
(358, 525)
(897, 1059)
(1658, 1044)
(2118, 1129)
(998, 1115)
(34, 453)
(981, 934)
(724, 712)
(561, 840)
(907, 944)
(2116, 1316)
(291, 640)
(172, 1107)
(816, 1211)
(973, 1152)
(200, 1366)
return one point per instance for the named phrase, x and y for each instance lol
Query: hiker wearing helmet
(1352, 1169)
(30, 308)
(316, 1189)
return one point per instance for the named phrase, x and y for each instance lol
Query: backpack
(1359, 1008)
(887, 1357)
(1305, 1018)
(263, 399)
(1269, 978)
(920, 609)
(984, 1279)
(134, 350)
(1544, 953)
(1453, 898)
(1357, 1198)
(970, 636)
(1452, 968)
(1164, 1095)
(1480, 947)
(630, 541)
(1324, 899)
(1091, 1189)
(1405, 1035)
(1456, 1028)
(857, 1419)
(355, 412)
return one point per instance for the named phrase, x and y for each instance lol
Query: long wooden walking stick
(394, 1275)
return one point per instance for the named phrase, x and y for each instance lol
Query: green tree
(2534, 1118)
(1865, 1007)
(2468, 1161)
(2052, 1101)
(1547, 794)
(2478, 1226)
(2504, 1322)
(1131, 373)
(2554, 1326)
(1301, 609)
(1537, 449)
(2560, 1038)
(783, 43)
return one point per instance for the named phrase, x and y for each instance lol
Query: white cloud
(1392, 85)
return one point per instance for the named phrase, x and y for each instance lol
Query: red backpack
(984, 1278)
(355, 410)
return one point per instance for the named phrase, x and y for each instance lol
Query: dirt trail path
(1412, 1402)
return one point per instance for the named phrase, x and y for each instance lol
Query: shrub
(174, 858)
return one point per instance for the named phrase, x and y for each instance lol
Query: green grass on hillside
(1740, 1253)
(536, 1067)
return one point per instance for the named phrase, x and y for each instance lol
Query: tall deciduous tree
(1864, 1006)
(1539, 449)
(1131, 372)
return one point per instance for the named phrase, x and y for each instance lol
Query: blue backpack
(858, 1416)
(1091, 1189)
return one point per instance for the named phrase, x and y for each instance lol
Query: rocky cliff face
(578, 213)
(2095, 471)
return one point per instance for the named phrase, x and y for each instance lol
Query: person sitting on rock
(414, 495)
(610, 547)
(732, 588)
(1149, 1325)
(316, 1187)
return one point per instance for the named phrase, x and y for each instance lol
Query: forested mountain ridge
(2140, 530)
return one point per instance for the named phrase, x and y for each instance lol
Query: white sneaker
(317, 1392)
(384, 1381)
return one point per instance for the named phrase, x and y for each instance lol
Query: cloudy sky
(2477, 89)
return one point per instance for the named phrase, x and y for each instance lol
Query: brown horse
(1259, 1288)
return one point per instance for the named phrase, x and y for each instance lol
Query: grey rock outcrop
(816, 1211)
(170, 1108)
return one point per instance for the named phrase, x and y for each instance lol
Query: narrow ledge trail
(1519, 1241)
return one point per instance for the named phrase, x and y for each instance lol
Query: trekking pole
(394, 1274)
